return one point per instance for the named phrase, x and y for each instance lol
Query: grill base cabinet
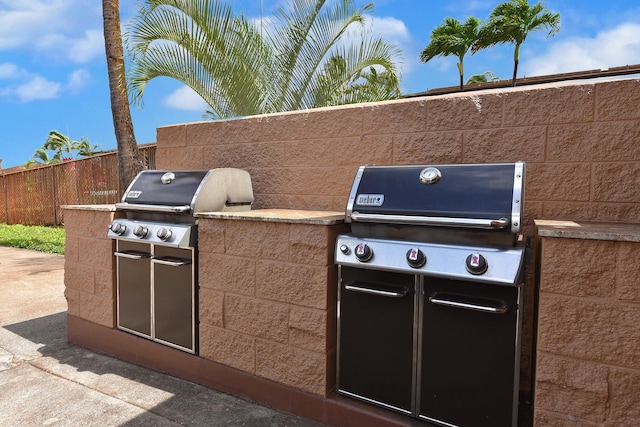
(157, 293)
(376, 337)
(452, 362)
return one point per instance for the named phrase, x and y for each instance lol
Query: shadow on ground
(165, 400)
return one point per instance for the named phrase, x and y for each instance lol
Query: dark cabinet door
(469, 355)
(174, 296)
(376, 337)
(134, 287)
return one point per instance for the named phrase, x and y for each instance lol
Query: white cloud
(31, 86)
(37, 88)
(185, 98)
(85, 49)
(9, 71)
(78, 80)
(611, 48)
(58, 28)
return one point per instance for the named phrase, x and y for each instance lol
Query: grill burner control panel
(178, 235)
(481, 264)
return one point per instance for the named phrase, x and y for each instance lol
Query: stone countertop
(101, 208)
(280, 215)
(614, 231)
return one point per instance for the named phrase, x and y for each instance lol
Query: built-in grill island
(430, 292)
(156, 248)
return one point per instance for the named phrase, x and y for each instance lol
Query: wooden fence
(34, 196)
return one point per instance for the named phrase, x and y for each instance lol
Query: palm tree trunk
(461, 71)
(516, 56)
(128, 156)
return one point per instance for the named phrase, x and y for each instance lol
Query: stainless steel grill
(156, 248)
(430, 291)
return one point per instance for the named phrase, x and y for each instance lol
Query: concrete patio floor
(46, 381)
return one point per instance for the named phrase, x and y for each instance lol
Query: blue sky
(53, 71)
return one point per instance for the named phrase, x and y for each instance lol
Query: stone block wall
(268, 299)
(580, 141)
(89, 266)
(588, 349)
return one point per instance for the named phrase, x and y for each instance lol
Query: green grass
(44, 239)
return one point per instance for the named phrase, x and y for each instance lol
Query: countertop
(280, 215)
(614, 231)
(101, 208)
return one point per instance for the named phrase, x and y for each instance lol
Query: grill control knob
(345, 249)
(164, 234)
(416, 258)
(118, 228)
(477, 264)
(140, 231)
(363, 252)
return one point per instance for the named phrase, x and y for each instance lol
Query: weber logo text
(370, 199)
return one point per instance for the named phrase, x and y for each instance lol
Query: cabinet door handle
(378, 292)
(172, 262)
(132, 255)
(468, 306)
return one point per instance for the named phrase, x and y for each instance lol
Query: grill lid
(483, 196)
(188, 191)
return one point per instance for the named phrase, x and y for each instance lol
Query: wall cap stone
(613, 231)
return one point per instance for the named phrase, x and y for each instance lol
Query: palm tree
(63, 148)
(511, 22)
(300, 60)
(452, 38)
(128, 156)
(41, 157)
(85, 148)
(485, 77)
(59, 143)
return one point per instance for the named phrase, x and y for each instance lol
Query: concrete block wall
(89, 266)
(580, 141)
(588, 352)
(268, 300)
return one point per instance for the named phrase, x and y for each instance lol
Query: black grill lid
(487, 196)
(150, 188)
(189, 191)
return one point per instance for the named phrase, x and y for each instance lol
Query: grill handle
(153, 208)
(377, 292)
(132, 255)
(467, 306)
(172, 262)
(433, 220)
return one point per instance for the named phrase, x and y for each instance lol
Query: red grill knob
(416, 258)
(477, 264)
(164, 234)
(363, 252)
(140, 231)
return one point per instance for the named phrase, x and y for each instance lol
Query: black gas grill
(156, 248)
(430, 292)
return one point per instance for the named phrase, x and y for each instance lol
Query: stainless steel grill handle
(432, 220)
(467, 306)
(154, 208)
(377, 292)
(171, 262)
(132, 255)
